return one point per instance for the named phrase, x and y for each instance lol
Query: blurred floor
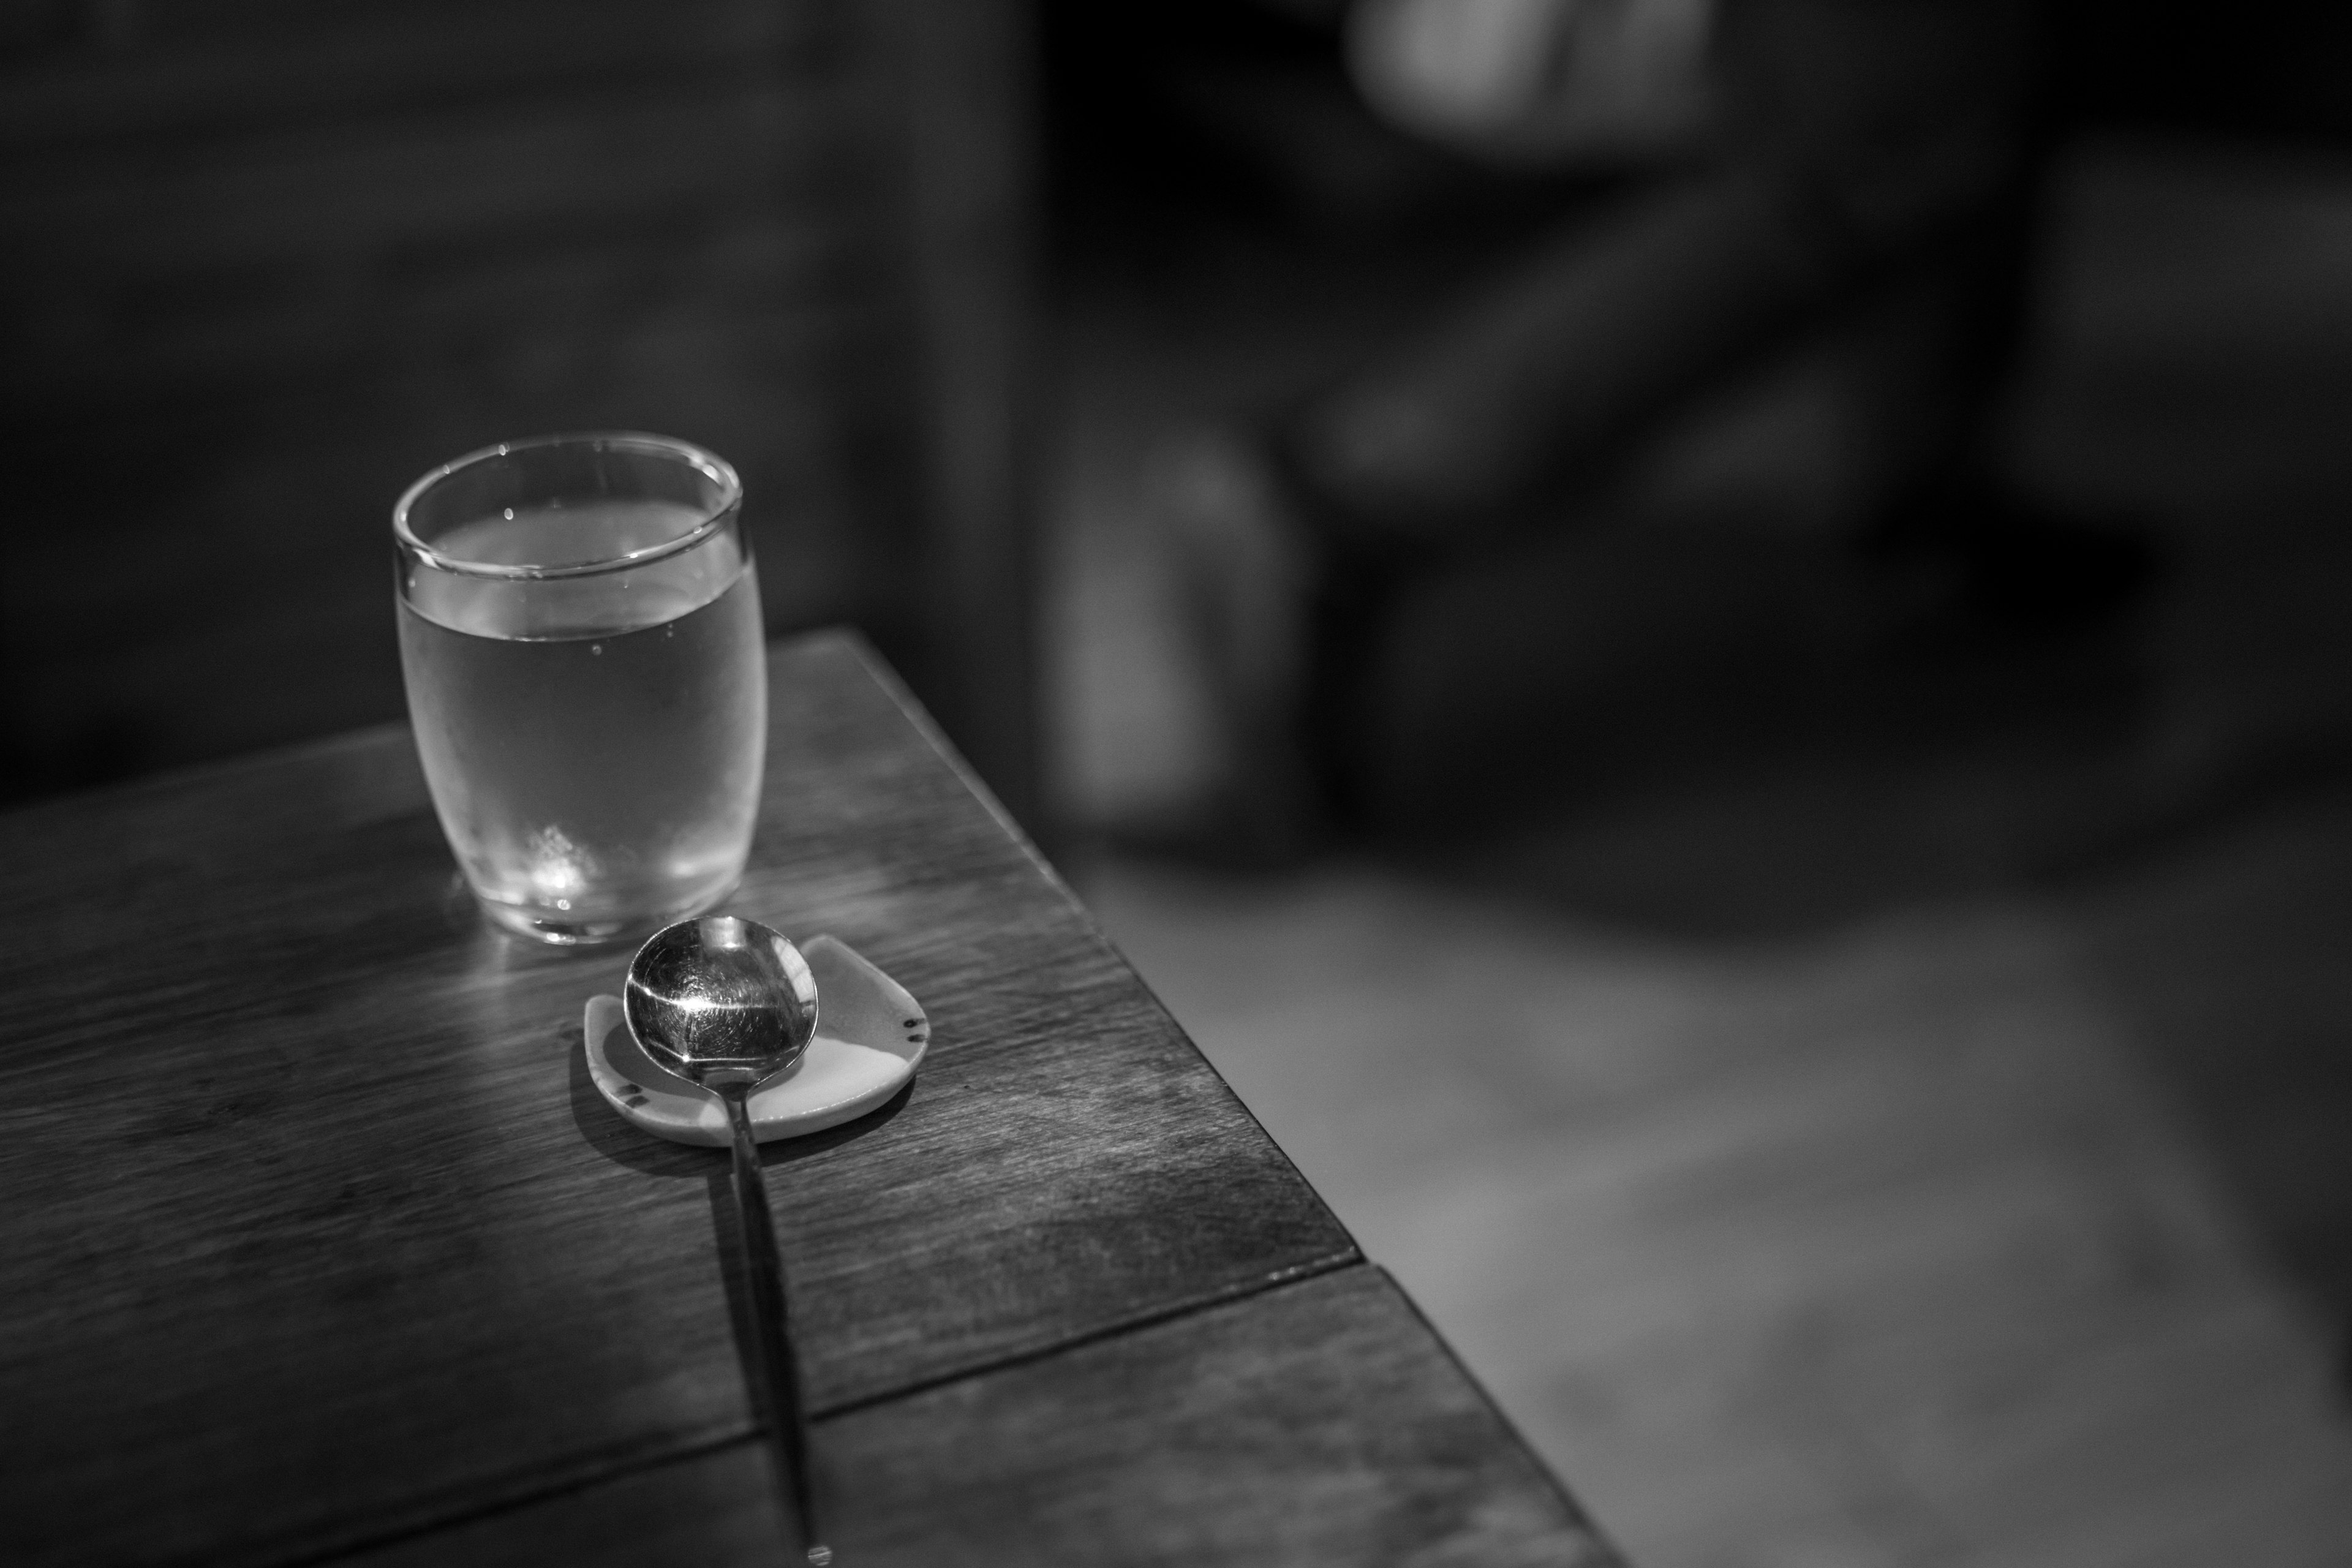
(1875, 1151)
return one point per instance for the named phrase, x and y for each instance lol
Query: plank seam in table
(587, 1477)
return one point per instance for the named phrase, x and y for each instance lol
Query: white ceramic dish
(870, 1035)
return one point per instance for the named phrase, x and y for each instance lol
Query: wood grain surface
(1321, 1424)
(317, 1233)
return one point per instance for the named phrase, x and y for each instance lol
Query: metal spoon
(725, 1003)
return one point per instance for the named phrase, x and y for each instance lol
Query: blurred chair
(267, 261)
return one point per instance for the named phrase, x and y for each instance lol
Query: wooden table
(319, 1246)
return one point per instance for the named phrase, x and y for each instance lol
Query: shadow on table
(603, 1131)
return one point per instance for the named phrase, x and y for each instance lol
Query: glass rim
(709, 464)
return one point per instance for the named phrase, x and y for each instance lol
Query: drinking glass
(580, 633)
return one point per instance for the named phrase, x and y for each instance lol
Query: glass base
(557, 929)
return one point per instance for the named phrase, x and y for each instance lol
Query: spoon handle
(777, 1385)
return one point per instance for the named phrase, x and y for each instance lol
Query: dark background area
(1230, 224)
(266, 263)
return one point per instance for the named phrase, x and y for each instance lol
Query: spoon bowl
(720, 1001)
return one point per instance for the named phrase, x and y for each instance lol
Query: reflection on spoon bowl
(870, 1036)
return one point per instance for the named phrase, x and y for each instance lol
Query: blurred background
(1834, 1002)
(267, 263)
